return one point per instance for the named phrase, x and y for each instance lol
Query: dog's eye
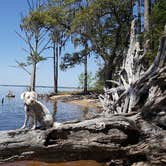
(28, 97)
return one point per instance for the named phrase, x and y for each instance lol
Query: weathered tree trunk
(33, 77)
(139, 17)
(146, 15)
(55, 65)
(108, 73)
(146, 25)
(86, 74)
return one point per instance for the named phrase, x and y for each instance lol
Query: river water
(12, 117)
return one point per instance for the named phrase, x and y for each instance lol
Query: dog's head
(29, 97)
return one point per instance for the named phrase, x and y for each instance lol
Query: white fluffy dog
(35, 112)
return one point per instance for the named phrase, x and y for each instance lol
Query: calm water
(12, 114)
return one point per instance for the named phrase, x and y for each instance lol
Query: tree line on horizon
(99, 28)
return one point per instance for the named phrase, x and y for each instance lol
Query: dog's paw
(33, 128)
(56, 124)
(23, 127)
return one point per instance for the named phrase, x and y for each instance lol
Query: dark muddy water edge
(72, 163)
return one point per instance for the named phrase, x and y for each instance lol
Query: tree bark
(108, 73)
(33, 77)
(139, 17)
(146, 25)
(55, 65)
(86, 74)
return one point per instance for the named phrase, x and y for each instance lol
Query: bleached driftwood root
(136, 86)
(130, 72)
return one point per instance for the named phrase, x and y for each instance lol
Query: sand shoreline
(82, 100)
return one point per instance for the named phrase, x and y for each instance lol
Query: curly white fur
(35, 111)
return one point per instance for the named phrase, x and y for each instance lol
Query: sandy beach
(82, 100)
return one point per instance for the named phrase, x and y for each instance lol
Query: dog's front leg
(26, 119)
(34, 122)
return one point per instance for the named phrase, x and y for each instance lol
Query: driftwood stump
(136, 86)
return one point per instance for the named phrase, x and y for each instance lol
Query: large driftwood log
(126, 138)
(97, 139)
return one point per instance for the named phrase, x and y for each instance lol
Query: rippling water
(12, 117)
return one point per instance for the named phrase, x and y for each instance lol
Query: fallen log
(127, 138)
(96, 139)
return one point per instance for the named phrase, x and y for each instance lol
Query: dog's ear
(23, 95)
(34, 94)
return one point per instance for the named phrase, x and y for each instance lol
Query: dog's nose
(32, 101)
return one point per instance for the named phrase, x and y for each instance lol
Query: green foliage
(99, 26)
(70, 60)
(99, 80)
(90, 80)
(159, 13)
(35, 58)
(102, 22)
(33, 21)
(158, 21)
(32, 25)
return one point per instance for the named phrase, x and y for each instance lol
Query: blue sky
(10, 50)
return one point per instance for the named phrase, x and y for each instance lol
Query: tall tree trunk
(146, 25)
(110, 63)
(139, 16)
(108, 73)
(86, 75)
(34, 62)
(57, 53)
(33, 77)
(55, 64)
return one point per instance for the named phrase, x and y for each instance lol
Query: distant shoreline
(39, 86)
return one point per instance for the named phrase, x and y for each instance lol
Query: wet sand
(94, 103)
(78, 100)
(72, 163)
(60, 96)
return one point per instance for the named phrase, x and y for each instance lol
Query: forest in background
(99, 28)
